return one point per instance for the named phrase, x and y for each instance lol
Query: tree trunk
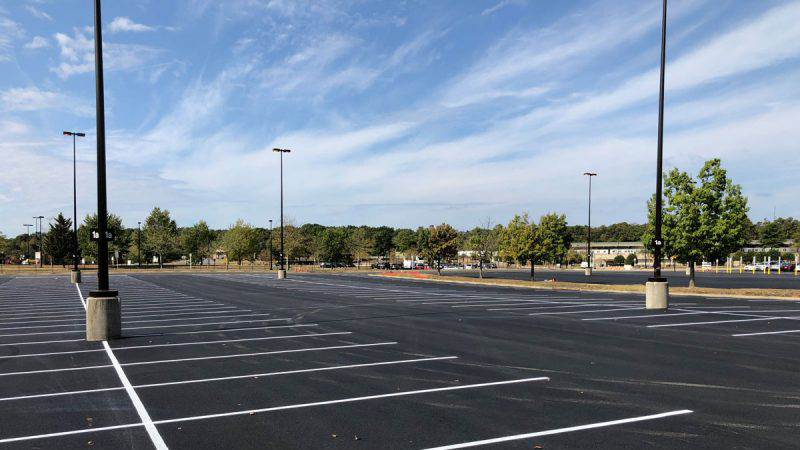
(532, 266)
(480, 269)
(160, 261)
(691, 274)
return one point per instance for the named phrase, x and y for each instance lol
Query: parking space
(248, 361)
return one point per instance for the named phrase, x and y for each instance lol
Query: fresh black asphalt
(329, 341)
(735, 280)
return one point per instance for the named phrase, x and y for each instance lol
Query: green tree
(521, 241)
(619, 260)
(334, 245)
(555, 239)
(483, 242)
(383, 241)
(88, 248)
(772, 235)
(703, 218)
(630, 259)
(197, 240)
(441, 244)
(160, 234)
(240, 241)
(404, 240)
(58, 241)
(361, 244)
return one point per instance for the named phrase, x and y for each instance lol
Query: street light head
(67, 133)
(590, 174)
(281, 150)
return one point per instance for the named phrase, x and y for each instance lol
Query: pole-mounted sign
(94, 235)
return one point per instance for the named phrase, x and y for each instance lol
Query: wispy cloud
(38, 42)
(502, 4)
(125, 24)
(35, 99)
(10, 31)
(39, 14)
(77, 55)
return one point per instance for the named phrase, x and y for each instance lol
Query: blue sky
(402, 113)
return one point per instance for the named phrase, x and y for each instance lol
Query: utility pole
(27, 239)
(270, 244)
(139, 243)
(657, 288)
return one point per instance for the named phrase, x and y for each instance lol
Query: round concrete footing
(656, 295)
(281, 274)
(103, 318)
(587, 271)
(75, 276)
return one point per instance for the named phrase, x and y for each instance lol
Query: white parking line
(687, 324)
(649, 316)
(584, 312)
(561, 430)
(167, 361)
(234, 377)
(180, 344)
(766, 333)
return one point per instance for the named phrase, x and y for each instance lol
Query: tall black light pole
(281, 271)
(658, 289)
(270, 244)
(139, 243)
(38, 230)
(103, 311)
(589, 258)
(74, 205)
(27, 239)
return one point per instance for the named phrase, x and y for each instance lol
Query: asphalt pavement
(247, 361)
(709, 279)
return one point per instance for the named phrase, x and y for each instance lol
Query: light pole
(76, 274)
(589, 259)
(139, 243)
(103, 310)
(38, 231)
(270, 244)
(281, 270)
(657, 288)
(27, 239)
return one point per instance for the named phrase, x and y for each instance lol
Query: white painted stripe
(649, 316)
(584, 312)
(243, 355)
(766, 333)
(223, 330)
(551, 306)
(152, 431)
(14, 344)
(235, 377)
(561, 430)
(686, 324)
(179, 344)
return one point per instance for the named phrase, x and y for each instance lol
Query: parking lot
(677, 278)
(247, 361)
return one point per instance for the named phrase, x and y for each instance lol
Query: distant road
(677, 278)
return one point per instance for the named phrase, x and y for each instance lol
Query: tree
(361, 244)
(88, 248)
(160, 234)
(240, 241)
(521, 241)
(772, 235)
(334, 245)
(619, 260)
(483, 243)
(630, 259)
(58, 241)
(554, 237)
(383, 242)
(441, 243)
(706, 218)
(196, 241)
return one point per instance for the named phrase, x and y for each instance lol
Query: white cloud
(10, 31)
(35, 99)
(11, 127)
(502, 4)
(39, 14)
(77, 55)
(125, 24)
(38, 42)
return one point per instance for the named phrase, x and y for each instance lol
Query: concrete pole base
(587, 271)
(656, 295)
(75, 277)
(103, 318)
(281, 274)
